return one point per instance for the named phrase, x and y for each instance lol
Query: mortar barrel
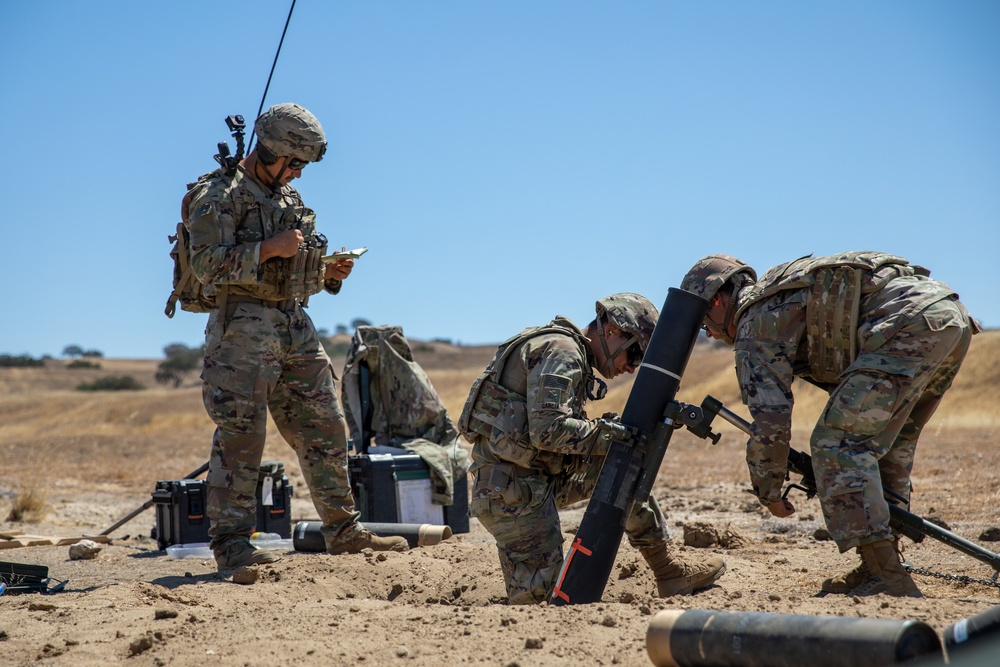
(980, 630)
(706, 638)
(307, 536)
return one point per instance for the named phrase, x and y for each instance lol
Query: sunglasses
(634, 353)
(296, 164)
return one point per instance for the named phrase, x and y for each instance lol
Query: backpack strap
(187, 273)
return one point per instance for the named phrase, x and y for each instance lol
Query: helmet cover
(291, 130)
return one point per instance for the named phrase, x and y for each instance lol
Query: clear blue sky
(504, 161)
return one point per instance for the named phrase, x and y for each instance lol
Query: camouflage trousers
(524, 520)
(866, 438)
(265, 359)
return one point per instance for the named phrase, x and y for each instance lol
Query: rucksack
(188, 290)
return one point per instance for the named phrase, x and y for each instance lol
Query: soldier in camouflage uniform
(255, 248)
(884, 339)
(535, 450)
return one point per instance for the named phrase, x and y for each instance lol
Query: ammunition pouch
(501, 481)
(500, 416)
(296, 277)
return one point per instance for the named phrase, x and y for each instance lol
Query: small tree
(180, 361)
(360, 322)
(72, 351)
(341, 329)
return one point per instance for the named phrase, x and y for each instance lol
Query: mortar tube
(307, 536)
(979, 630)
(706, 638)
(629, 468)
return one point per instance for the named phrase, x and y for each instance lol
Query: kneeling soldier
(535, 450)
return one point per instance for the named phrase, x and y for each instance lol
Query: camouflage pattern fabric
(913, 335)
(633, 313)
(289, 129)
(259, 358)
(546, 378)
(710, 273)
(525, 523)
(229, 218)
(407, 411)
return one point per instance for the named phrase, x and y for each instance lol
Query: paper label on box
(413, 502)
(267, 492)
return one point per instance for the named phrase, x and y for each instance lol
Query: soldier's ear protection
(264, 155)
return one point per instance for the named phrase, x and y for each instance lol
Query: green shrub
(83, 363)
(339, 349)
(20, 361)
(111, 383)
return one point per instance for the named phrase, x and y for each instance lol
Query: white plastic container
(269, 541)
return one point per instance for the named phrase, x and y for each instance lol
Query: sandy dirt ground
(445, 604)
(442, 604)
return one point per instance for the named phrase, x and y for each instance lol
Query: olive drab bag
(188, 290)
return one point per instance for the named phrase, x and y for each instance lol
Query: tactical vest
(500, 417)
(282, 278)
(301, 275)
(836, 284)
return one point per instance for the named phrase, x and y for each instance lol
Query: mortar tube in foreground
(706, 638)
(972, 633)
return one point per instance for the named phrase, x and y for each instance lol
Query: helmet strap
(270, 181)
(608, 367)
(727, 319)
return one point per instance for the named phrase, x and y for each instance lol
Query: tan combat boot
(886, 573)
(238, 552)
(677, 576)
(845, 582)
(365, 539)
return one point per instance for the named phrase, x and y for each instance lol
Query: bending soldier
(535, 450)
(884, 339)
(255, 248)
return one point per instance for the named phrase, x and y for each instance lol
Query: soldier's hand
(339, 270)
(284, 244)
(781, 508)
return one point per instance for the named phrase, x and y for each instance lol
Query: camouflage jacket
(229, 218)
(773, 346)
(528, 407)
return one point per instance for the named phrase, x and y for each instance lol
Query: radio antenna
(260, 109)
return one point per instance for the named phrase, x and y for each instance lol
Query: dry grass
(29, 506)
(130, 439)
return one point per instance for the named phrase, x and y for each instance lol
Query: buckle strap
(280, 304)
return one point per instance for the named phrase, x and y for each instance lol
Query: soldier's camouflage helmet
(710, 273)
(290, 130)
(632, 313)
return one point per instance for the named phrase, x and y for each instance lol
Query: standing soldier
(884, 340)
(535, 451)
(255, 248)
